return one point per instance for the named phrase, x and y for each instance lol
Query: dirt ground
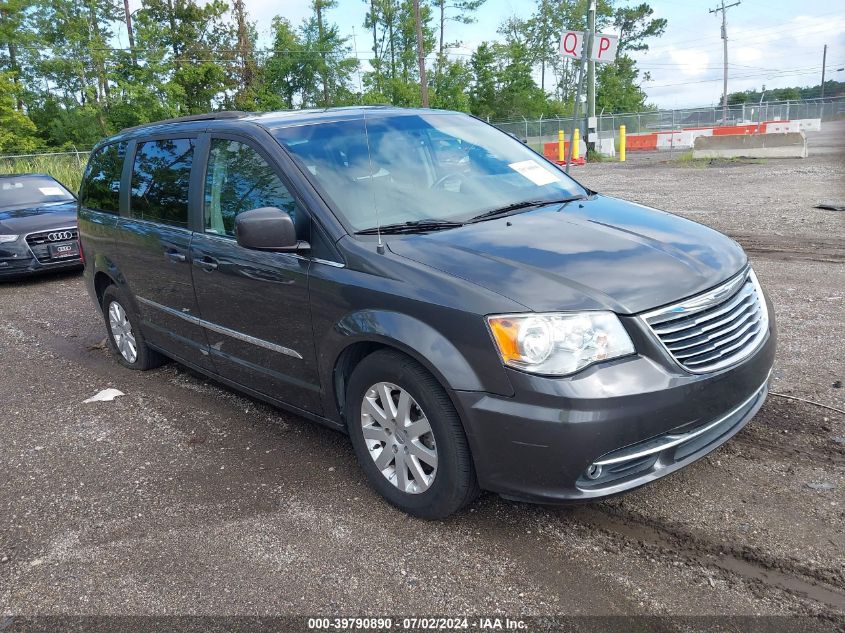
(182, 497)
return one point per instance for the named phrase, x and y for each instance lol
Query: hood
(51, 216)
(600, 253)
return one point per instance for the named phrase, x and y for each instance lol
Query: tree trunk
(390, 20)
(324, 69)
(420, 54)
(96, 44)
(130, 32)
(13, 64)
(244, 46)
(442, 4)
(171, 16)
(374, 20)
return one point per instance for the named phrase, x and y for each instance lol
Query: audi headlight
(8, 238)
(558, 344)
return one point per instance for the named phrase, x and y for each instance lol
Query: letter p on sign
(604, 48)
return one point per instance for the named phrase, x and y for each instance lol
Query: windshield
(31, 191)
(431, 166)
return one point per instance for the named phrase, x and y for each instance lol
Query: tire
(431, 488)
(115, 306)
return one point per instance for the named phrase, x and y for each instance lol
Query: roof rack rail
(209, 116)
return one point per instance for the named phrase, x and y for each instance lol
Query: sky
(776, 43)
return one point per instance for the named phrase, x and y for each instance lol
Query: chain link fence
(539, 131)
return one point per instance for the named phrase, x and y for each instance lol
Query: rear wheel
(408, 437)
(125, 338)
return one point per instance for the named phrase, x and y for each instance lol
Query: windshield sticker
(12, 185)
(535, 172)
(51, 191)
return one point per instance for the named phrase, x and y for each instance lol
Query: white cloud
(745, 54)
(690, 62)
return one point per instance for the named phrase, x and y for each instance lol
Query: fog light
(593, 471)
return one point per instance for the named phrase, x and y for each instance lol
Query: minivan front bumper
(612, 427)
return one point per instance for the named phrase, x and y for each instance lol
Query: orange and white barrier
(685, 138)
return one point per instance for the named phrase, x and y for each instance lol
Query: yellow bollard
(621, 143)
(561, 152)
(575, 138)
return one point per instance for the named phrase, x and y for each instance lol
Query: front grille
(716, 329)
(39, 243)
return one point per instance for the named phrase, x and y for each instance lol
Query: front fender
(416, 338)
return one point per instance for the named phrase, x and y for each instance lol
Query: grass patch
(686, 159)
(66, 168)
(595, 157)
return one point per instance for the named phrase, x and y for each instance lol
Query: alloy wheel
(121, 330)
(399, 438)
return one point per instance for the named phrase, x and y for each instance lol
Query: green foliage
(831, 88)
(67, 82)
(17, 131)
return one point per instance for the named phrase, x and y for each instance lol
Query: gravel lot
(183, 497)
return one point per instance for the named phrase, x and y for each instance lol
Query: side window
(100, 188)
(239, 179)
(160, 178)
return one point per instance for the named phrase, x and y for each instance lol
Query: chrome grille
(715, 329)
(39, 243)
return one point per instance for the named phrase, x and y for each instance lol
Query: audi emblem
(60, 236)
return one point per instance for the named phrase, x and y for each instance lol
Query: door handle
(175, 256)
(206, 263)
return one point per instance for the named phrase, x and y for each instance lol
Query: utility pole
(421, 55)
(585, 53)
(724, 11)
(824, 63)
(591, 70)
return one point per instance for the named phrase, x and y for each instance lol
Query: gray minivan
(471, 316)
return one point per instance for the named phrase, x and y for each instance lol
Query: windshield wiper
(414, 226)
(517, 206)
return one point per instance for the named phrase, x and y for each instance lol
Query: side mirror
(268, 229)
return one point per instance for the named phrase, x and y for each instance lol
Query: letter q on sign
(571, 44)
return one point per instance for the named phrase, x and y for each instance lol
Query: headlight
(8, 238)
(558, 344)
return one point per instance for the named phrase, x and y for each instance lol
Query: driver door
(254, 304)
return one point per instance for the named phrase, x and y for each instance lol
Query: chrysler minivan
(472, 317)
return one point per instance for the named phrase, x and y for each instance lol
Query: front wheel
(408, 437)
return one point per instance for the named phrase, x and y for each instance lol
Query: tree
(328, 56)
(13, 33)
(458, 11)
(483, 92)
(17, 131)
(319, 6)
(617, 89)
(197, 74)
(420, 54)
(450, 87)
(245, 98)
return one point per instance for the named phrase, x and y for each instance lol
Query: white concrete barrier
(782, 127)
(788, 145)
(809, 125)
(607, 147)
(675, 140)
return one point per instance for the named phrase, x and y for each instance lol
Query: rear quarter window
(100, 189)
(160, 178)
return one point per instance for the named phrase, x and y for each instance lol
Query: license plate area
(64, 250)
